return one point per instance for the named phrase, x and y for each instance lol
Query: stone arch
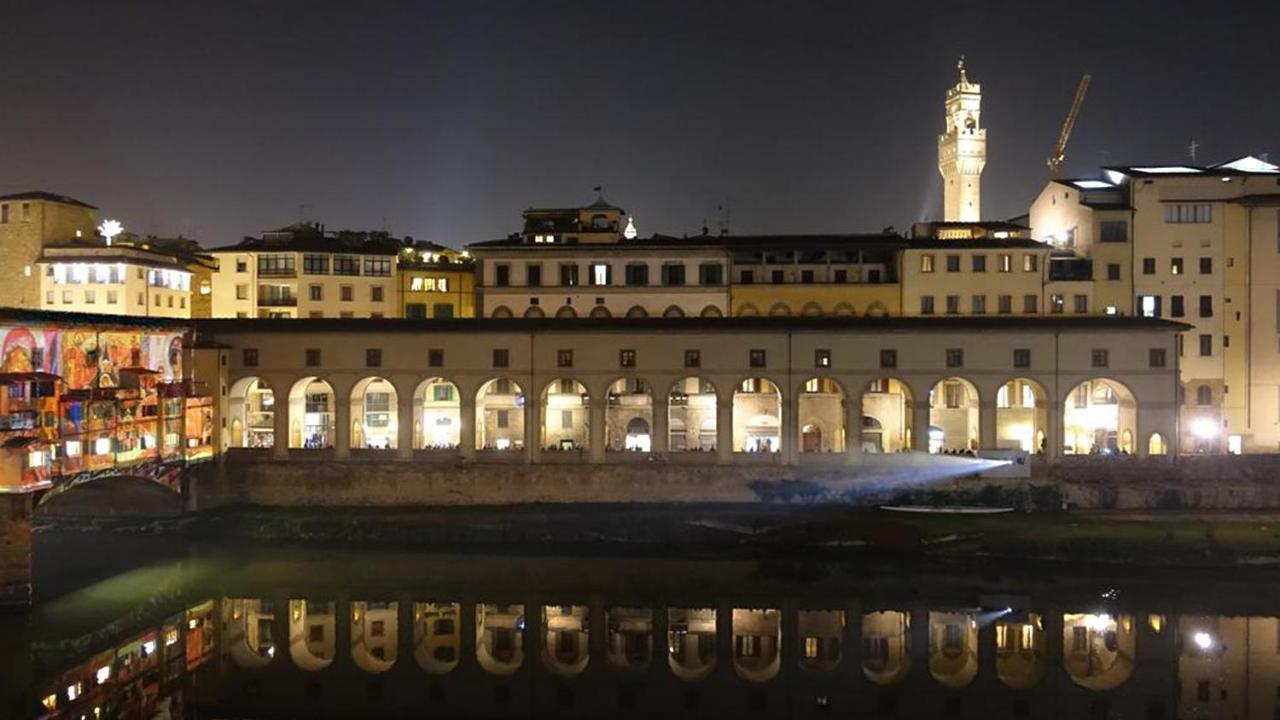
(629, 404)
(375, 416)
(711, 311)
(502, 311)
(757, 416)
(1022, 415)
(566, 311)
(565, 416)
(629, 638)
(820, 416)
(953, 648)
(437, 415)
(843, 309)
(779, 309)
(877, 309)
(635, 311)
(691, 642)
(437, 636)
(886, 646)
(954, 415)
(600, 311)
(1157, 445)
(748, 310)
(673, 311)
(1098, 415)
(312, 414)
(251, 407)
(500, 638)
(374, 635)
(887, 422)
(534, 312)
(312, 638)
(691, 415)
(248, 623)
(1098, 650)
(811, 309)
(500, 415)
(565, 649)
(757, 643)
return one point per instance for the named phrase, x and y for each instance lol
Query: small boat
(947, 509)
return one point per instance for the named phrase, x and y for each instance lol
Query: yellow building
(814, 275)
(123, 279)
(28, 222)
(436, 282)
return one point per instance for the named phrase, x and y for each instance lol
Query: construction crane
(1060, 150)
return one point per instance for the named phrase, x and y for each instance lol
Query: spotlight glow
(1203, 640)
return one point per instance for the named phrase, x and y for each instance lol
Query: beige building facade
(28, 222)
(122, 280)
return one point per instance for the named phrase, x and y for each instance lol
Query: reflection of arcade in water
(327, 651)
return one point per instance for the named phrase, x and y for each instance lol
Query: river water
(146, 627)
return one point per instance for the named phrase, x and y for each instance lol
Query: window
(600, 273)
(1148, 266)
(242, 266)
(673, 274)
(627, 358)
(1113, 231)
(888, 358)
(692, 358)
(1206, 346)
(316, 293)
(638, 274)
(1176, 308)
(1056, 303)
(746, 277)
(1175, 266)
(26, 211)
(568, 274)
(953, 263)
(841, 276)
(501, 358)
(979, 263)
(1022, 358)
(442, 392)
(373, 357)
(312, 357)
(315, 264)
(1202, 691)
(926, 263)
(953, 304)
(1005, 304)
(415, 311)
(1006, 262)
(756, 358)
(533, 275)
(501, 275)
(242, 292)
(1080, 304)
(710, 274)
(435, 357)
(1206, 266)
(955, 357)
(375, 293)
(822, 358)
(48, 297)
(926, 304)
(1156, 358)
(1206, 306)
(276, 265)
(90, 297)
(1204, 395)
(4, 213)
(377, 266)
(1188, 213)
(979, 304)
(250, 357)
(1099, 358)
(564, 358)
(1113, 271)
(503, 419)
(1150, 305)
(346, 293)
(566, 419)
(346, 265)
(1030, 263)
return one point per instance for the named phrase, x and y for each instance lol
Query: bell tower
(962, 151)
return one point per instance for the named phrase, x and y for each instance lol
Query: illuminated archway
(757, 416)
(1099, 416)
(757, 641)
(565, 416)
(748, 310)
(1156, 445)
(312, 422)
(953, 416)
(600, 311)
(811, 309)
(252, 410)
(629, 638)
(635, 311)
(374, 635)
(311, 634)
(821, 639)
(1022, 416)
(691, 416)
(691, 642)
(437, 636)
(673, 311)
(629, 416)
(500, 638)
(1020, 661)
(886, 646)
(437, 415)
(953, 648)
(375, 423)
(711, 311)
(500, 415)
(565, 649)
(1098, 649)
(821, 409)
(844, 309)
(502, 311)
(887, 418)
(780, 309)
(249, 630)
(566, 311)
(534, 312)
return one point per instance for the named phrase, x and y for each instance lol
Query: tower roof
(47, 197)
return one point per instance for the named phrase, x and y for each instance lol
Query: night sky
(443, 121)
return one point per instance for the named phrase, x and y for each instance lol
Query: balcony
(278, 301)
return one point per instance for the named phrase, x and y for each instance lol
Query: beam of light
(984, 619)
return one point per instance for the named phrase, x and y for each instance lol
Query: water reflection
(778, 651)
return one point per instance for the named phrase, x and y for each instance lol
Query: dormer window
(599, 222)
(542, 239)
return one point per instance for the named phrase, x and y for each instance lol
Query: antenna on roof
(1191, 149)
(724, 219)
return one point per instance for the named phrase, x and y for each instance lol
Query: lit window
(102, 446)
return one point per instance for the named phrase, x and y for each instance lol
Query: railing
(285, 301)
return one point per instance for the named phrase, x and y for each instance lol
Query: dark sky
(444, 120)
